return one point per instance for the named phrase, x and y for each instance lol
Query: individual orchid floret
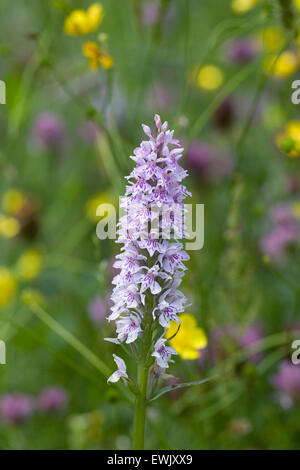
(173, 257)
(148, 280)
(167, 313)
(163, 353)
(128, 328)
(120, 373)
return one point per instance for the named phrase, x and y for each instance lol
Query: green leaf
(183, 385)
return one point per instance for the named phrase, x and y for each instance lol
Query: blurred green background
(221, 74)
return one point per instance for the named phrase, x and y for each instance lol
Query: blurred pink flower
(16, 407)
(226, 339)
(48, 131)
(281, 213)
(150, 13)
(200, 155)
(253, 334)
(222, 341)
(241, 51)
(52, 399)
(284, 231)
(287, 381)
(97, 310)
(204, 161)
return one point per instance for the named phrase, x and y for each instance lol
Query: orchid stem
(140, 408)
(142, 379)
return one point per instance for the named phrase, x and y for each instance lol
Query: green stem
(142, 379)
(140, 408)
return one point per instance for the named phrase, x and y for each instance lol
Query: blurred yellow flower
(273, 39)
(97, 57)
(13, 201)
(209, 77)
(95, 14)
(189, 339)
(296, 210)
(29, 265)
(242, 6)
(91, 206)
(8, 286)
(81, 22)
(283, 66)
(9, 226)
(289, 140)
(297, 4)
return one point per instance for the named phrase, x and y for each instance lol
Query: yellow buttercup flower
(91, 206)
(242, 6)
(289, 140)
(189, 339)
(8, 286)
(273, 39)
(97, 57)
(209, 77)
(81, 22)
(13, 201)
(283, 66)
(29, 265)
(9, 226)
(76, 23)
(296, 210)
(95, 14)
